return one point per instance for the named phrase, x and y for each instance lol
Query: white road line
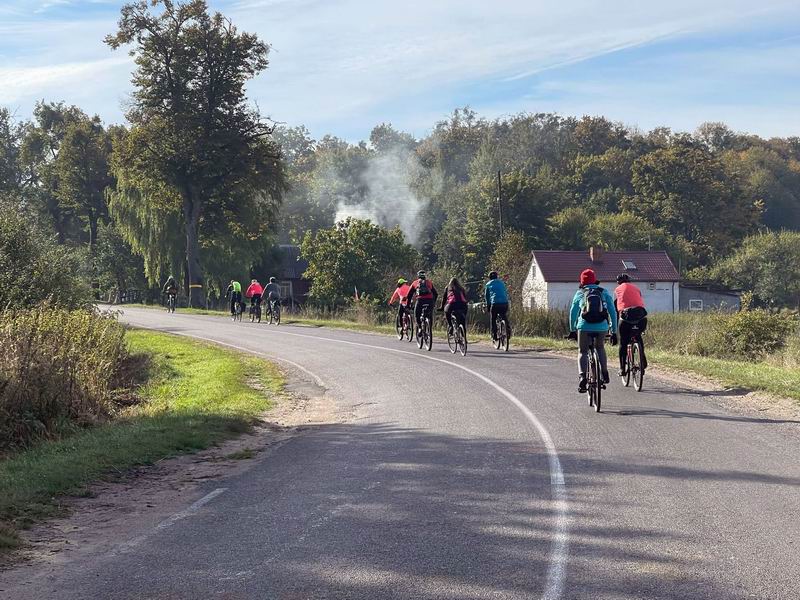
(559, 551)
(190, 510)
(186, 512)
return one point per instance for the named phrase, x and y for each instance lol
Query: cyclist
(592, 310)
(273, 292)
(170, 287)
(454, 300)
(235, 291)
(401, 296)
(254, 292)
(630, 305)
(424, 291)
(496, 297)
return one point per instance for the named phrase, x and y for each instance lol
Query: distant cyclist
(630, 305)
(273, 292)
(400, 296)
(454, 301)
(170, 287)
(592, 311)
(424, 295)
(496, 297)
(235, 292)
(254, 292)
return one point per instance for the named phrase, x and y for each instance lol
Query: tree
(685, 190)
(624, 231)
(191, 128)
(32, 265)
(11, 135)
(355, 255)
(766, 264)
(511, 259)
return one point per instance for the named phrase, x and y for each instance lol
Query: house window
(651, 285)
(629, 265)
(286, 289)
(696, 305)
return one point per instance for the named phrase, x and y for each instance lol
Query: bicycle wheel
(506, 336)
(598, 382)
(399, 327)
(626, 379)
(421, 335)
(591, 378)
(496, 340)
(428, 335)
(277, 314)
(636, 360)
(462, 339)
(252, 314)
(452, 340)
(408, 325)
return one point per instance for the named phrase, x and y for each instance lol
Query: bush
(33, 267)
(58, 369)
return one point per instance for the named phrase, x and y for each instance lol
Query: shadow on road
(680, 414)
(377, 512)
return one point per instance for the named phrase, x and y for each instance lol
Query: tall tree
(192, 129)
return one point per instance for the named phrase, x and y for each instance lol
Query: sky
(344, 66)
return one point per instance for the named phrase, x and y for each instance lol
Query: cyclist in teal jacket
(589, 317)
(496, 297)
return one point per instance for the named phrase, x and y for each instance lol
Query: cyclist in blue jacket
(496, 297)
(592, 315)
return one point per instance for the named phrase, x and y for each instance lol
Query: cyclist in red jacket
(630, 306)
(401, 297)
(254, 292)
(425, 294)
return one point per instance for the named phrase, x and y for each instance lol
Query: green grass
(197, 395)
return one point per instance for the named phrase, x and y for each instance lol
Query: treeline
(200, 185)
(724, 205)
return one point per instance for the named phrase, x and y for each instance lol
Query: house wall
(711, 300)
(534, 290)
(663, 298)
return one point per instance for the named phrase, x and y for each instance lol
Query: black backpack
(423, 289)
(594, 308)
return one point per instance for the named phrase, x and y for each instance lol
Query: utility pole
(500, 201)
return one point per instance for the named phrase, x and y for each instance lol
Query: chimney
(596, 254)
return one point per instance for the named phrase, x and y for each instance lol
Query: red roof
(566, 265)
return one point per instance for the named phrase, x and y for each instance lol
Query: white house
(553, 276)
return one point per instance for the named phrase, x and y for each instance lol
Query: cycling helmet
(421, 274)
(272, 280)
(623, 278)
(493, 275)
(254, 281)
(401, 281)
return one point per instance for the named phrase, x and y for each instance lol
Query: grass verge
(196, 395)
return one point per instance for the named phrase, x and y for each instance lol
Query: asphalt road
(492, 482)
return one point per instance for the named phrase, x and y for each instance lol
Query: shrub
(58, 369)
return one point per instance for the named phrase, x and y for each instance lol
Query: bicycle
(171, 302)
(255, 312)
(404, 325)
(238, 309)
(275, 312)
(424, 333)
(456, 335)
(594, 377)
(503, 330)
(633, 360)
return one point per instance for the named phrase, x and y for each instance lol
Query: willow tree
(192, 129)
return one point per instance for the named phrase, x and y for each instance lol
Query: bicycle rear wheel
(636, 360)
(598, 382)
(428, 335)
(409, 328)
(452, 339)
(462, 334)
(506, 338)
(398, 327)
(496, 340)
